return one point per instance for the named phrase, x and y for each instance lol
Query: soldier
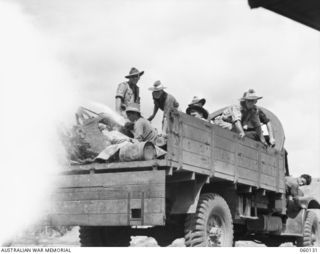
(250, 119)
(263, 119)
(128, 91)
(164, 101)
(243, 119)
(293, 184)
(195, 108)
(142, 129)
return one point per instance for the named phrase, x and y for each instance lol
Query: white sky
(211, 48)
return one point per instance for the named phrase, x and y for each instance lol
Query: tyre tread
(306, 240)
(195, 223)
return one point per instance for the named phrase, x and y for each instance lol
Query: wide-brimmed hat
(198, 101)
(157, 86)
(133, 107)
(198, 108)
(250, 95)
(134, 72)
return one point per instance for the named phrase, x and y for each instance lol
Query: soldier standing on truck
(164, 101)
(196, 109)
(128, 91)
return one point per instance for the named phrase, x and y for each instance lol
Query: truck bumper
(110, 199)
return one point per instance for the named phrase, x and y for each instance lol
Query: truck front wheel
(211, 225)
(311, 234)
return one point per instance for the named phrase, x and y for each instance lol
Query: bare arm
(118, 105)
(239, 129)
(271, 135)
(120, 95)
(235, 113)
(155, 110)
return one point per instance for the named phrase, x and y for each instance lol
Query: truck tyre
(311, 234)
(116, 236)
(167, 234)
(90, 236)
(104, 237)
(211, 225)
(164, 238)
(272, 242)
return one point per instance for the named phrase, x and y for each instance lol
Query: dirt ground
(71, 239)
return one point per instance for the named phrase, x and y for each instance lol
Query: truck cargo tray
(110, 199)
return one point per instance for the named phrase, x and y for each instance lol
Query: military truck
(212, 188)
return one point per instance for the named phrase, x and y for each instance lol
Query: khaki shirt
(292, 186)
(143, 131)
(127, 95)
(228, 117)
(231, 114)
(166, 105)
(170, 103)
(250, 117)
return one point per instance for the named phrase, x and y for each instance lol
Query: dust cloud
(35, 94)
(107, 112)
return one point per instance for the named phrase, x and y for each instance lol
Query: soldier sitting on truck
(195, 108)
(142, 129)
(264, 120)
(243, 119)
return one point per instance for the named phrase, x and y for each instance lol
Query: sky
(212, 49)
(57, 53)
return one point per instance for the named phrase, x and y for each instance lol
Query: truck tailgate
(110, 199)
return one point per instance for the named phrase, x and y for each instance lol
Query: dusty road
(71, 239)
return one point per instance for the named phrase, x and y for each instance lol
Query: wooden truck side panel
(201, 147)
(189, 149)
(119, 199)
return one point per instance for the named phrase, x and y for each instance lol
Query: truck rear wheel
(116, 236)
(164, 236)
(167, 234)
(104, 236)
(311, 234)
(211, 225)
(90, 236)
